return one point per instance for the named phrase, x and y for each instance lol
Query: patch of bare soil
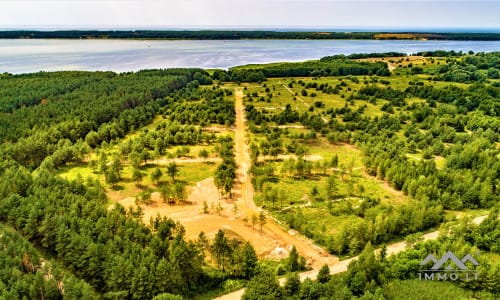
(312, 157)
(195, 220)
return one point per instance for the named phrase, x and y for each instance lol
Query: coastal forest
(242, 34)
(133, 185)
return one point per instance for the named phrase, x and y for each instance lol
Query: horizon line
(462, 29)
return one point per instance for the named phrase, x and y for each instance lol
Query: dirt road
(243, 192)
(341, 266)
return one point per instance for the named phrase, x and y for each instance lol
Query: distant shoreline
(244, 34)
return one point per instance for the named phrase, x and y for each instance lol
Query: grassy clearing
(72, 171)
(309, 195)
(192, 173)
(469, 213)
(416, 157)
(189, 173)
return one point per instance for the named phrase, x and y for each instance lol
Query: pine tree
(112, 177)
(165, 192)
(156, 175)
(137, 176)
(265, 286)
(220, 249)
(172, 170)
(323, 274)
(292, 284)
(262, 220)
(249, 261)
(293, 260)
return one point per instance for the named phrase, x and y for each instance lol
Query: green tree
(323, 274)
(112, 176)
(255, 219)
(135, 159)
(310, 290)
(335, 161)
(116, 166)
(292, 284)
(165, 192)
(220, 249)
(142, 284)
(254, 153)
(293, 260)
(219, 208)
(331, 187)
(146, 196)
(137, 176)
(172, 170)
(262, 220)
(103, 162)
(167, 296)
(180, 191)
(156, 175)
(203, 153)
(248, 261)
(264, 286)
(93, 165)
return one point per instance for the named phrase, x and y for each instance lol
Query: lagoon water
(25, 56)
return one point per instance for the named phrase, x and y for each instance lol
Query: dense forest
(427, 131)
(326, 66)
(52, 119)
(239, 34)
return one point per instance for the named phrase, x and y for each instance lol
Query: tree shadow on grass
(117, 187)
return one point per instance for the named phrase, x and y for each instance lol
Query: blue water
(24, 56)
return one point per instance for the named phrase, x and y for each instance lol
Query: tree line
(226, 171)
(322, 67)
(115, 104)
(228, 35)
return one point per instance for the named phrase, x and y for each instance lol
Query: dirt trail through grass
(301, 100)
(243, 191)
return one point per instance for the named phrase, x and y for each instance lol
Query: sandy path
(386, 185)
(341, 266)
(243, 191)
(164, 161)
(298, 97)
(311, 157)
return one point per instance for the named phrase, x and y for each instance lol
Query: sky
(362, 14)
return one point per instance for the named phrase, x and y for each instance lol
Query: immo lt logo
(449, 267)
